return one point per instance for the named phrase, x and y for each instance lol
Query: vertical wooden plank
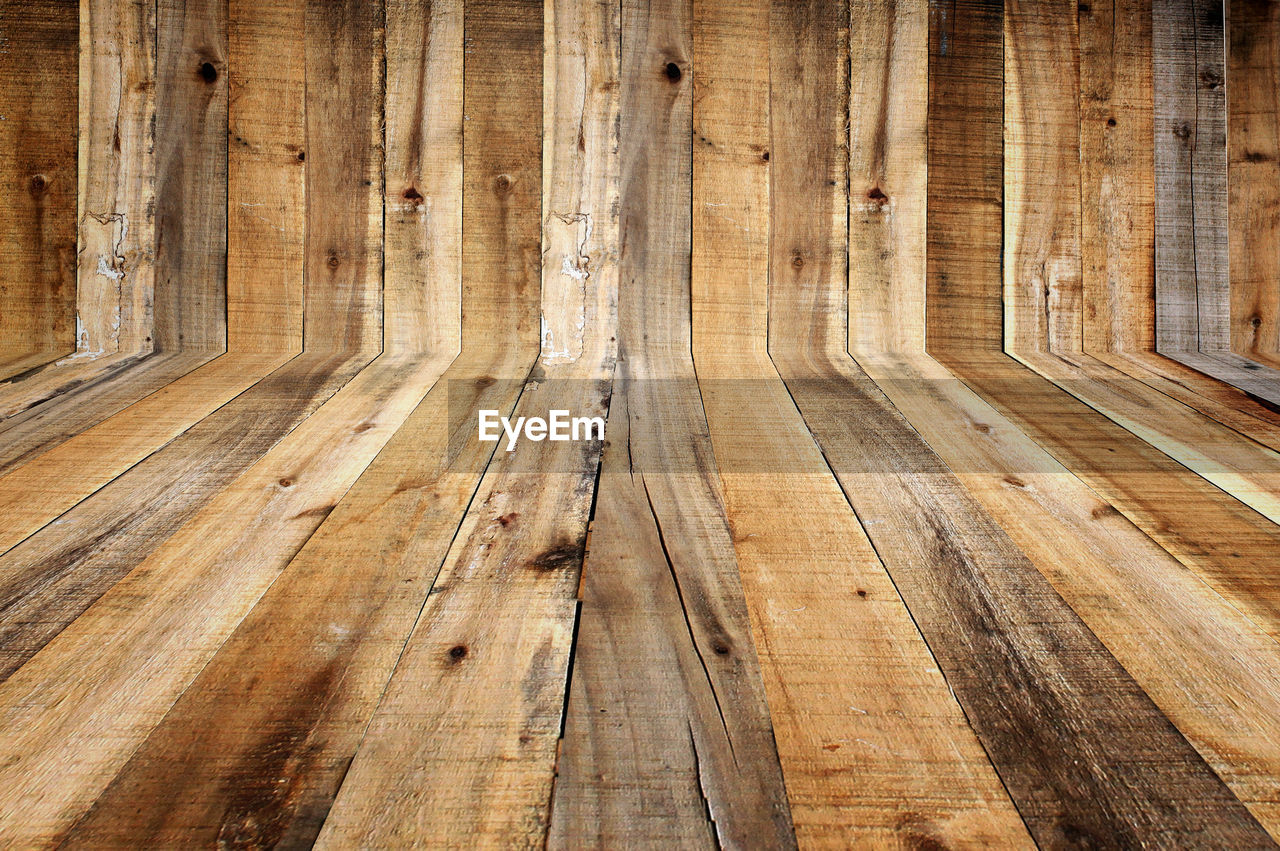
(490, 773)
(420, 241)
(667, 737)
(887, 175)
(117, 177)
(191, 175)
(1190, 125)
(966, 114)
(1042, 281)
(1117, 187)
(266, 202)
(38, 62)
(1253, 175)
(344, 66)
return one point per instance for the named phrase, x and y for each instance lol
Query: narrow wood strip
(117, 174)
(1192, 307)
(191, 175)
(344, 115)
(1117, 185)
(423, 177)
(666, 703)
(1012, 650)
(1043, 288)
(966, 121)
(38, 94)
(889, 86)
(1253, 175)
(266, 164)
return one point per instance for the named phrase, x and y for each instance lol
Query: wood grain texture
(190, 300)
(38, 93)
(1117, 184)
(1253, 176)
(1189, 67)
(1126, 702)
(344, 55)
(819, 598)
(663, 631)
(341, 607)
(458, 770)
(423, 177)
(1043, 265)
(965, 203)
(1043, 288)
(906, 530)
(266, 167)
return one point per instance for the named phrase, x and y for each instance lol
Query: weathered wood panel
(190, 300)
(38, 94)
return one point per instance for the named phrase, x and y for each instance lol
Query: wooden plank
(1043, 288)
(266, 167)
(1192, 294)
(423, 178)
(117, 173)
(852, 688)
(888, 163)
(191, 175)
(344, 54)
(965, 97)
(1253, 176)
(1117, 186)
(667, 736)
(920, 517)
(38, 93)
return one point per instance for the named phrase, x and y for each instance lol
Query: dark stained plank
(38, 97)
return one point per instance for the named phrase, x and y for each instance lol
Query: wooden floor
(937, 341)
